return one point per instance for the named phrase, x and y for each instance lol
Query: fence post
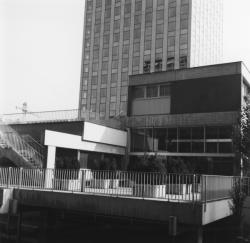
(20, 177)
(83, 178)
(9, 177)
(194, 189)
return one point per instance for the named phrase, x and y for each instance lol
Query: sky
(41, 47)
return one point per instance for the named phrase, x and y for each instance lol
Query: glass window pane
(152, 91)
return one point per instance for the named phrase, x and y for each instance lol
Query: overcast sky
(41, 45)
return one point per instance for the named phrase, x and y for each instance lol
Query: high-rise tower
(124, 37)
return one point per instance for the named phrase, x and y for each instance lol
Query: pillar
(82, 157)
(51, 163)
(199, 234)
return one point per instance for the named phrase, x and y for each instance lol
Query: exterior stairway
(22, 153)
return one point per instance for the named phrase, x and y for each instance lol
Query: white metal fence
(168, 187)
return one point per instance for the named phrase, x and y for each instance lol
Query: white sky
(41, 45)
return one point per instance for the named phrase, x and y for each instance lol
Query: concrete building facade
(128, 37)
(191, 114)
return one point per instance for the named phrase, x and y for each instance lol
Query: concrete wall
(215, 94)
(37, 130)
(153, 210)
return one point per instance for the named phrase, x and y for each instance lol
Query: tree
(242, 137)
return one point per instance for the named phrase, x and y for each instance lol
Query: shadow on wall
(5, 162)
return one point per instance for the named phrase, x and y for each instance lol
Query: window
(124, 90)
(160, 2)
(171, 26)
(160, 14)
(125, 62)
(171, 12)
(164, 90)
(127, 8)
(116, 37)
(158, 43)
(148, 19)
(94, 80)
(103, 93)
(105, 39)
(183, 39)
(124, 76)
(86, 56)
(125, 49)
(93, 93)
(85, 68)
(152, 91)
(96, 54)
(184, 9)
(136, 47)
(106, 26)
(170, 63)
(183, 62)
(104, 79)
(149, 3)
(95, 67)
(139, 92)
(126, 22)
(137, 19)
(159, 29)
(105, 52)
(112, 106)
(147, 45)
(89, 5)
(117, 11)
(158, 65)
(114, 78)
(136, 61)
(115, 64)
(126, 35)
(97, 28)
(116, 24)
(98, 3)
(184, 24)
(113, 92)
(137, 33)
(146, 66)
(107, 13)
(102, 107)
(115, 52)
(105, 66)
(138, 5)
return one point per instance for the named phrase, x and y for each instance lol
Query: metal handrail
(34, 143)
(31, 117)
(13, 140)
(167, 187)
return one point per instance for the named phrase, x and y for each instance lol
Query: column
(51, 161)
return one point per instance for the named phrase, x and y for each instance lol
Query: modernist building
(128, 37)
(191, 113)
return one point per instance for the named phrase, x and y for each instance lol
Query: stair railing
(20, 146)
(34, 144)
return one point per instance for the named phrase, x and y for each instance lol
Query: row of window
(153, 91)
(183, 140)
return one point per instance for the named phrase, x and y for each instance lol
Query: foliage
(238, 198)
(176, 165)
(147, 164)
(67, 163)
(241, 136)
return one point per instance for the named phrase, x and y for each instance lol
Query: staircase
(11, 140)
